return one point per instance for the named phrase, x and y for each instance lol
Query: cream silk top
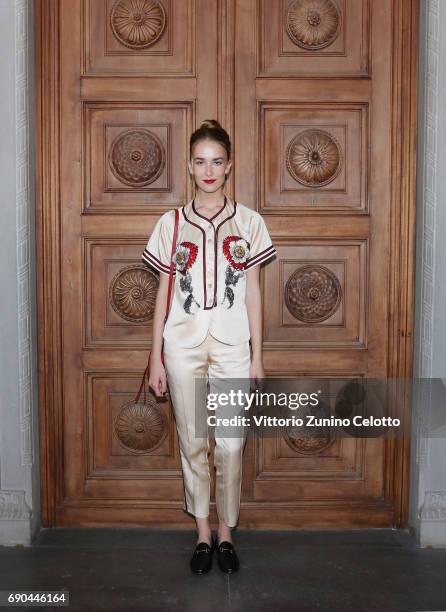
(210, 260)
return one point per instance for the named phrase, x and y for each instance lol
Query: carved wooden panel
(343, 462)
(321, 291)
(340, 467)
(120, 294)
(294, 453)
(313, 37)
(313, 157)
(124, 437)
(149, 37)
(135, 156)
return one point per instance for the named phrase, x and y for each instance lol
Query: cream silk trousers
(211, 360)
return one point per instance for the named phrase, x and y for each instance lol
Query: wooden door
(320, 108)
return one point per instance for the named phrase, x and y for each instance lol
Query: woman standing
(216, 310)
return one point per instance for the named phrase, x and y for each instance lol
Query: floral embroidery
(231, 278)
(236, 251)
(184, 258)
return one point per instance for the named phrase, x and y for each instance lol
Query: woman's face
(209, 165)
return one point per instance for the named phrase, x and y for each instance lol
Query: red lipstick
(209, 181)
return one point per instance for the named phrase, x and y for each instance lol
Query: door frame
(404, 106)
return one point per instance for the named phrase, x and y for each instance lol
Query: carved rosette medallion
(137, 157)
(132, 293)
(313, 24)
(309, 440)
(137, 24)
(314, 158)
(308, 443)
(312, 294)
(140, 428)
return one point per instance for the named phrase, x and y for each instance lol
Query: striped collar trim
(225, 212)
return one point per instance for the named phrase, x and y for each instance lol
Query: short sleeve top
(210, 260)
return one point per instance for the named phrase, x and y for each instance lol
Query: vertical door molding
(403, 230)
(48, 255)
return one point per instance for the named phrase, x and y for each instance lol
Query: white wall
(19, 471)
(428, 471)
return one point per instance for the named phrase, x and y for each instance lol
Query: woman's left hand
(256, 373)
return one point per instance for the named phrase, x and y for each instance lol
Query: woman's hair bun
(210, 129)
(210, 123)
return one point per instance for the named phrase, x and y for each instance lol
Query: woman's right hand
(157, 374)
(157, 377)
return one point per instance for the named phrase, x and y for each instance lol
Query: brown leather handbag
(169, 293)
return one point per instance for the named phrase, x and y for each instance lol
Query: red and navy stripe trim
(150, 259)
(260, 257)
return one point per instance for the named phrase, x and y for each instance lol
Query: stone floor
(140, 569)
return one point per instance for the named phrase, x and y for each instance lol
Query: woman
(216, 309)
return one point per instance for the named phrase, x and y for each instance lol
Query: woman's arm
(157, 374)
(253, 301)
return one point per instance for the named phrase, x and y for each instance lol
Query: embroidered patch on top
(236, 251)
(184, 258)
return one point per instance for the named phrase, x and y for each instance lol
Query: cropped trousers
(190, 373)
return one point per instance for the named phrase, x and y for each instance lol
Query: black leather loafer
(201, 561)
(227, 558)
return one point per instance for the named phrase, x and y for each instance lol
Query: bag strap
(169, 290)
(172, 253)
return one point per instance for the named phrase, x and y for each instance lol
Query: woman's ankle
(204, 533)
(224, 533)
(204, 537)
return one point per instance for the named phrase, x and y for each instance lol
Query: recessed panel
(321, 294)
(124, 437)
(313, 158)
(119, 300)
(293, 460)
(146, 37)
(313, 37)
(135, 157)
